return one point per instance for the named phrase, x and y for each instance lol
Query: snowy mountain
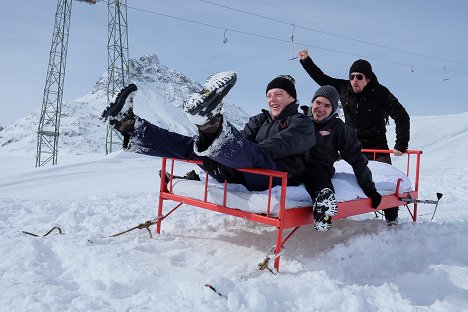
(159, 100)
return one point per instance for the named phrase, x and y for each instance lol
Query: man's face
(358, 81)
(277, 100)
(321, 108)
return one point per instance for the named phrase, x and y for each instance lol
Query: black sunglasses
(358, 76)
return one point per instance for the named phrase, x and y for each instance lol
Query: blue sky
(418, 49)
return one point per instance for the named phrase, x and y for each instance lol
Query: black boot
(208, 132)
(125, 126)
(125, 96)
(120, 113)
(201, 107)
(325, 207)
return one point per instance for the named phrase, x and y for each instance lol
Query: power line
(332, 34)
(288, 41)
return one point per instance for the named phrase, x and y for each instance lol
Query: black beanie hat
(330, 93)
(284, 82)
(362, 66)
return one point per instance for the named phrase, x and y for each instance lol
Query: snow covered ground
(360, 265)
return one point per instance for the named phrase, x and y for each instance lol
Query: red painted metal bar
(162, 190)
(412, 214)
(282, 216)
(416, 186)
(287, 218)
(226, 210)
(289, 235)
(270, 184)
(172, 174)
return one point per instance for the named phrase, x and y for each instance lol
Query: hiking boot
(203, 106)
(191, 175)
(392, 222)
(391, 216)
(325, 207)
(122, 104)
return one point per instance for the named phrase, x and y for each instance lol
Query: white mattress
(346, 187)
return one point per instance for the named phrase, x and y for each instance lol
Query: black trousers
(317, 178)
(390, 213)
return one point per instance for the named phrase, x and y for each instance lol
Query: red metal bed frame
(287, 218)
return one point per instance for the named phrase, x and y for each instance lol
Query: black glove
(375, 197)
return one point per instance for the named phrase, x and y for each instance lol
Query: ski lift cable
(335, 35)
(288, 41)
(215, 55)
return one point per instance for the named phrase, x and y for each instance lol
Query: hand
(303, 54)
(375, 197)
(397, 152)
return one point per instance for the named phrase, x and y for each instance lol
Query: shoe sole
(215, 89)
(332, 209)
(114, 108)
(322, 226)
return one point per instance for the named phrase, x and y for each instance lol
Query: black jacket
(335, 140)
(285, 139)
(367, 111)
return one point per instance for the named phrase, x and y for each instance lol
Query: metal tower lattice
(118, 74)
(49, 123)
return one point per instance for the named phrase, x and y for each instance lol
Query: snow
(359, 265)
(385, 177)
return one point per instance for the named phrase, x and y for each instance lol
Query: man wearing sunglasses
(367, 105)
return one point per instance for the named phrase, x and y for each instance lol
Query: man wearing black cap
(334, 140)
(277, 139)
(367, 105)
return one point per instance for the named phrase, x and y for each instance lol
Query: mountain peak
(160, 98)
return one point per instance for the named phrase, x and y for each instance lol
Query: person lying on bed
(275, 139)
(334, 140)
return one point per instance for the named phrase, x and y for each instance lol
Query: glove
(375, 197)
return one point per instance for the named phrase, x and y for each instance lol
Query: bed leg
(162, 188)
(279, 238)
(415, 211)
(158, 222)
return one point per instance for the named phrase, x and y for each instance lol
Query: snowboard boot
(325, 207)
(120, 113)
(201, 108)
(123, 102)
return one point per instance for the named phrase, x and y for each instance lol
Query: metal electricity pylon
(49, 122)
(118, 74)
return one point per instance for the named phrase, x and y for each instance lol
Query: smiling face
(277, 100)
(321, 108)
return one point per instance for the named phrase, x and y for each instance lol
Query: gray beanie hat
(330, 93)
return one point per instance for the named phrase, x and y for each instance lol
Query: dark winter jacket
(285, 139)
(335, 139)
(367, 111)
